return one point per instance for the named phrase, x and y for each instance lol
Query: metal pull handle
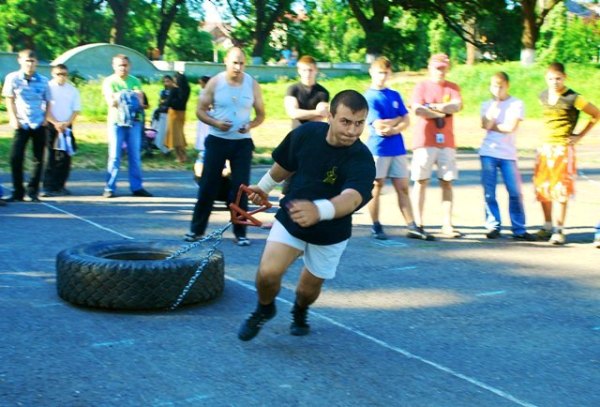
(241, 217)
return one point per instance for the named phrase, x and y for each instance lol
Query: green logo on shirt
(331, 176)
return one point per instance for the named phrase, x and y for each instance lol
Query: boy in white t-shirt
(65, 105)
(500, 117)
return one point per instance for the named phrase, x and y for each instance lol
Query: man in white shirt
(65, 105)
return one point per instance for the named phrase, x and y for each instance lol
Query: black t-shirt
(178, 98)
(308, 97)
(322, 171)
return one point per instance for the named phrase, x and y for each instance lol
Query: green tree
(534, 14)
(256, 20)
(186, 42)
(329, 33)
(568, 38)
(168, 11)
(82, 22)
(30, 24)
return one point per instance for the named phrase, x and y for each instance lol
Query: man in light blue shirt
(27, 95)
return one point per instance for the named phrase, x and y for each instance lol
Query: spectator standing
(226, 105)
(334, 175)
(27, 98)
(500, 118)
(306, 100)
(387, 118)
(202, 130)
(177, 103)
(160, 115)
(123, 94)
(435, 101)
(65, 105)
(555, 169)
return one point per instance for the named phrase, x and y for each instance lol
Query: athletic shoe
(557, 239)
(108, 194)
(252, 325)
(142, 192)
(544, 234)
(419, 233)
(14, 198)
(242, 241)
(65, 191)
(49, 194)
(192, 237)
(378, 233)
(32, 197)
(299, 326)
(493, 234)
(450, 232)
(527, 237)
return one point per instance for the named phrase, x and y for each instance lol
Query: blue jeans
(512, 180)
(133, 137)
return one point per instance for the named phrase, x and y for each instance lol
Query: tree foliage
(256, 20)
(406, 31)
(568, 39)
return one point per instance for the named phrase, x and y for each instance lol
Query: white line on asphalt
(403, 268)
(124, 342)
(490, 293)
(384, 344)
(389, 243)
(403, 352)
(87, 220)
(48, 304)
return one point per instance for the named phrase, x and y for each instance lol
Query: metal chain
(217, 235)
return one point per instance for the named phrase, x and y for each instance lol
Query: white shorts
(391, 166)
(320, 260)
(423, 159)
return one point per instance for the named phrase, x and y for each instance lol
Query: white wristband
(267, 183)
(326, 209)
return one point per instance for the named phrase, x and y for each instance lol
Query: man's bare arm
(293, 110)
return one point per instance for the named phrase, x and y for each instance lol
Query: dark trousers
(218, 150)
(58, 163)
(17, 158)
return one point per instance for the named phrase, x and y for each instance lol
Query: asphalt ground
(455, 322)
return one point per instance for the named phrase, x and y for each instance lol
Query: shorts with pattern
(554, 173)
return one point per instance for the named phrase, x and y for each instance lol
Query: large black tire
(131, 274)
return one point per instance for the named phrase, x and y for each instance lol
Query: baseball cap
(439, 61)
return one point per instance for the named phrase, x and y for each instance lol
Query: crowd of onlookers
(325, 170)
(43, 111)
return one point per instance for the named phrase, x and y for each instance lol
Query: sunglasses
(61, 74)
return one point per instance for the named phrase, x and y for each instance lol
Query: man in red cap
(434, 102)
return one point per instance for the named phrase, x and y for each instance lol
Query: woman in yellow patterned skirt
(176, 117)
(555, 170)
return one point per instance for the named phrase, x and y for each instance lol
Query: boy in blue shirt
(387, 118)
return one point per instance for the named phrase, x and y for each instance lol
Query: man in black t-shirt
(306, 100)
(333, 174)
